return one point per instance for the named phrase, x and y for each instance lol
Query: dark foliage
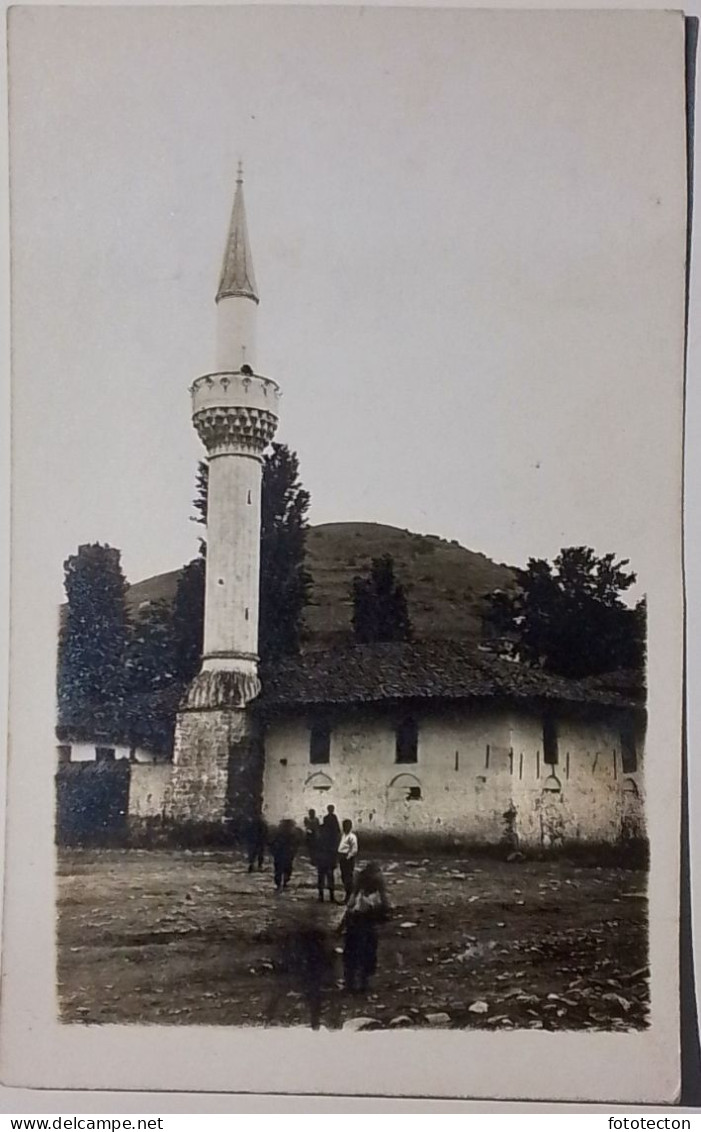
(285, 584)
(568, 617)
(93, 642)
(151, 655)
(200, 500)
(380, 611)
(187, 625)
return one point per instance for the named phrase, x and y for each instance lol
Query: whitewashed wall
(473, 765)
(87, 752)
(147, 789)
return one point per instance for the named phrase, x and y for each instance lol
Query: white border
(539, 1064)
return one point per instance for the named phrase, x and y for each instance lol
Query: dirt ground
(192, 937)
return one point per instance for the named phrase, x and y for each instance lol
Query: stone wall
(217, 768)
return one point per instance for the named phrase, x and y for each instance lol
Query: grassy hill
(445, 583)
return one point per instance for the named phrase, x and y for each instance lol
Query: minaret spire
(217, 772)
(237, 275)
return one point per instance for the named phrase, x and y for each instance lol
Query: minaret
(216, 770)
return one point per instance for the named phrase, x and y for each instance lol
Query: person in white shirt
(347, 856)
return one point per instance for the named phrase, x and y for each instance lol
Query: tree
(200, 500)
(569, 618)
(187, 624)
(285, 584)
(94, 638)
(150, 655)
(380, 611)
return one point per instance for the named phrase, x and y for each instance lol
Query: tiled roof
(439, 670)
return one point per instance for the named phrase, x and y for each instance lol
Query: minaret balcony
(235, 389)
(235, 412)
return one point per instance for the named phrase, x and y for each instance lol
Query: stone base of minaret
(217, 778)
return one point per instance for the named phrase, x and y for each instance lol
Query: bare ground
(190, 937)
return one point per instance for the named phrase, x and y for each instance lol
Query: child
(366, 909)
(347, 856)
(255, 837)
(283, 848)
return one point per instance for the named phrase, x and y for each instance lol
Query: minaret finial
(239, 173)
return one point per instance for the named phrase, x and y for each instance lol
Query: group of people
(330, 844)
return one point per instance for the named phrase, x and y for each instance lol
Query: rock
(478, 1007)
(610, 997)
(515, 857)
(401, 1020)
(441, 1018)
(408, 924)
(357, 1024)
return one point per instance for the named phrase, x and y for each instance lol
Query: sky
(468, 237)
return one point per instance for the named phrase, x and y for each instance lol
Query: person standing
(347, 856)
(327, 853)
(304, 963)
(367, 908)
(283, 848)
(256, 836)
(312, 825)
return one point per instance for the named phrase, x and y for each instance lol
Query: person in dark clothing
(283, 847)
(255, 839)
(327, 853)
(303, 964)
(367, 908)
(312, 825)
(331, 822)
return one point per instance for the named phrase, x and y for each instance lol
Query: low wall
(147, 789)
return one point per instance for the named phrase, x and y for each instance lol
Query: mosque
(430, 738)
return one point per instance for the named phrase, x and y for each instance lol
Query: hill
(445, 583)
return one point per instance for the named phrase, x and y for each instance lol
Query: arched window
(404, 788)
(318, 781)
(407, 741)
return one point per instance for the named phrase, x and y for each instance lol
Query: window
(105, 754)
(550, 755)
(320, 743)
(629, 752)
(407, 738)
(64, 752)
